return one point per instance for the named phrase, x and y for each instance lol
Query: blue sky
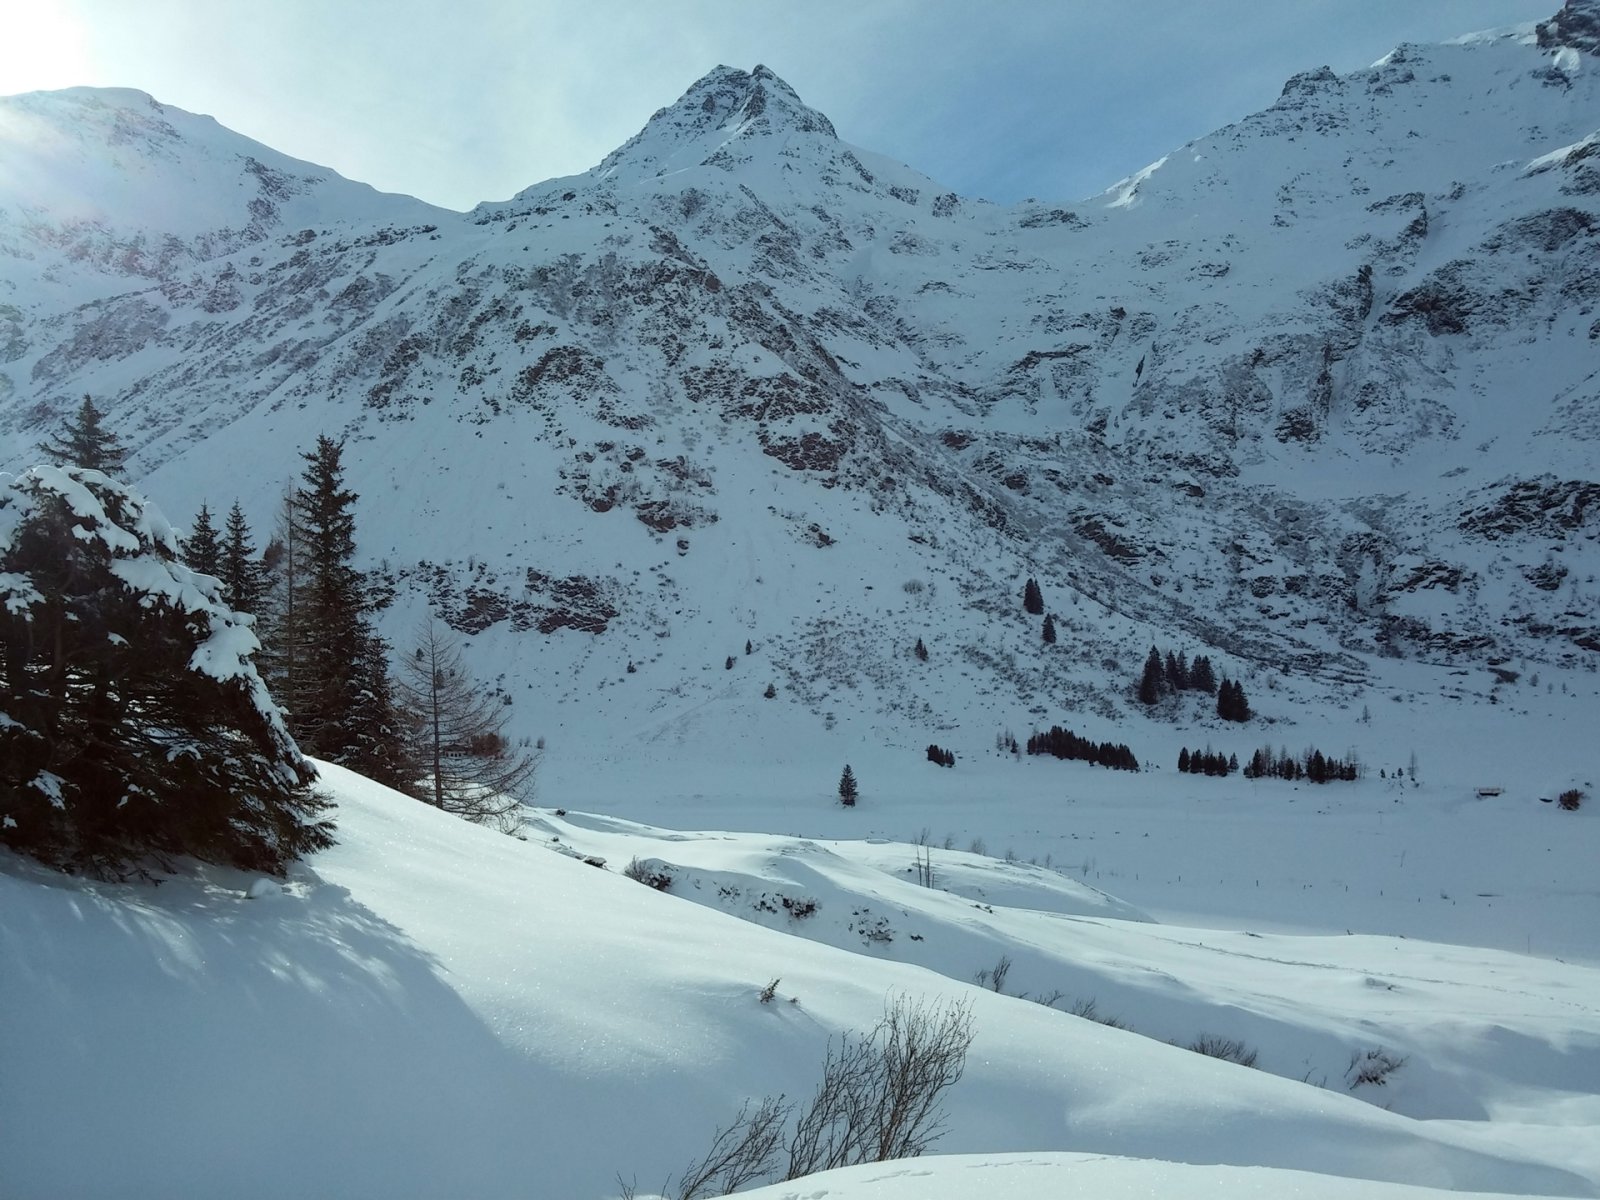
(478, 99)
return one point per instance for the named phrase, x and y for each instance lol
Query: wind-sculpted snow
(433, 1008)
(748, 380)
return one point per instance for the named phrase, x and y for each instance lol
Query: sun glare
(43, 46)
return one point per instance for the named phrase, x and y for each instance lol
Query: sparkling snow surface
(431, 1009)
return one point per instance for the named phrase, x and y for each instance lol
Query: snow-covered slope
(1314, 393)
(432, 1009)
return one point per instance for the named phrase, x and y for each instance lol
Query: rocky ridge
(1316, 388)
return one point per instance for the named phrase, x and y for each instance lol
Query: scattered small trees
(848, 791)
(945, 758)
(1570, 800)
(84, 441)
(132, 720)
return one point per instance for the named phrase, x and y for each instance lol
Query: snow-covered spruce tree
(848, 790)
(84, 441)
(458, 736)
(132, 720)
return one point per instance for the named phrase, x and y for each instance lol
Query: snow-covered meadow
(433, 1009)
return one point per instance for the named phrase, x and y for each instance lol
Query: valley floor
(431, 1009)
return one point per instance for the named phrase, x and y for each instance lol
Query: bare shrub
(1372, 1067)
(994, 978)
(880, 1093)
(1227, 1049)
(642, 872)
(879, 1099)
(747, 1150)
(1571, 799)
(1090, 1011)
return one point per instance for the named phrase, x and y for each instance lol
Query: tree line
(1063, 743)
(1312, 765)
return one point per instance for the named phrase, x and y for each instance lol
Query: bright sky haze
(477, 99)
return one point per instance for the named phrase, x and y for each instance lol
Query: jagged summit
(723, 108)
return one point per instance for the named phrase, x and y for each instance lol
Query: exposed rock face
(1317, 386)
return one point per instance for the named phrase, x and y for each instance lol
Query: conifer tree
(1231, 702)
(201, 550)
(380, 727)
(457, 736)
(920, 651)
(340, 700)
(84, 441)
(1032, 598)
(1049, 634)
(132, 720)
(1201, 678)
(1183, 760)
(242, 573)
(1150, 682)
(848, 791)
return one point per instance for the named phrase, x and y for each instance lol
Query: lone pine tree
(848, 792)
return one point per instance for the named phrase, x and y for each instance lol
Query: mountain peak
(724, 106)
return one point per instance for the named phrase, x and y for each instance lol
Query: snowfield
(432, 1009)
(694, 450)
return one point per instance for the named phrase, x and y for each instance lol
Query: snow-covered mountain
(1319, 389)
